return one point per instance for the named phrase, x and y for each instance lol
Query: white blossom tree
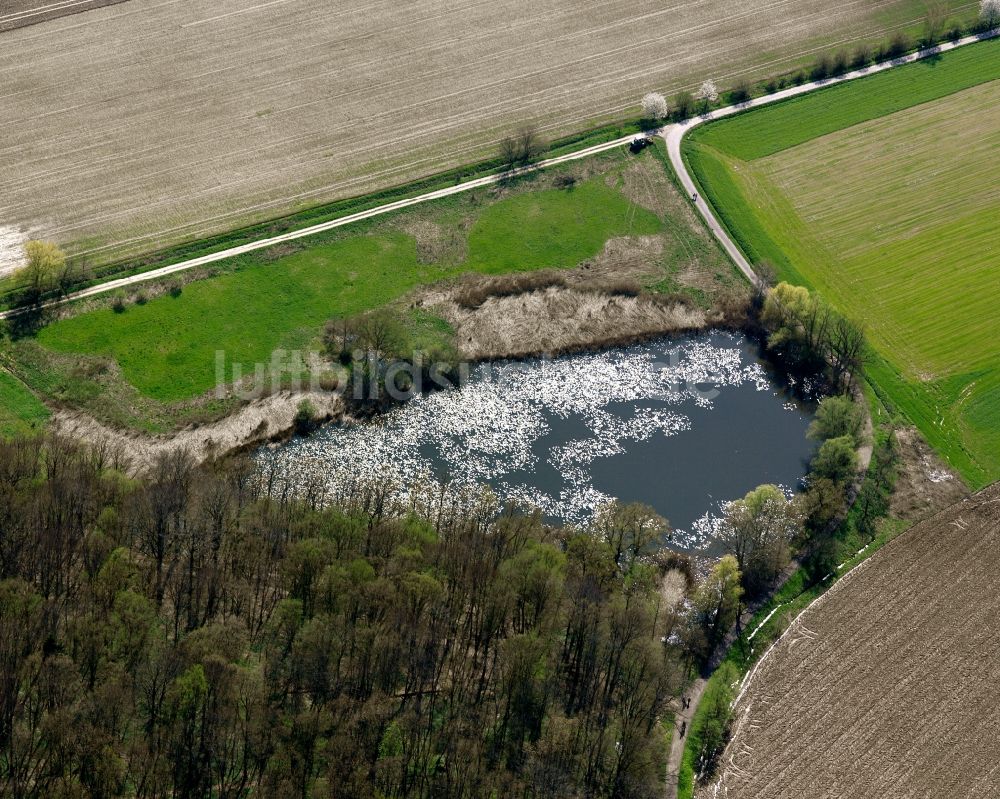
(709, 92)
(989, 13)
(655, 106)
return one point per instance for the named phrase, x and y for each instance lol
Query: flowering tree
(655, 106)
(989, 13)
(709, 92)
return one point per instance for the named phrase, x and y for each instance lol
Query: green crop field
(20, 410)
(167, 347)
(883, 194)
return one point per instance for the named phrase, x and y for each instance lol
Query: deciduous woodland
(199, 631)
(188, 634)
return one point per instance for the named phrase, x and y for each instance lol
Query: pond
(684, 425)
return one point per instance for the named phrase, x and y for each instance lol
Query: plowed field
(887, 686)
(152, 121)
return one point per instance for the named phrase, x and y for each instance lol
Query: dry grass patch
(558, 320)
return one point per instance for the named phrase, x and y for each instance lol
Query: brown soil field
(887, 685)
(149, 122)
(21, 13)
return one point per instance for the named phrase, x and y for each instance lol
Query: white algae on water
(535, 431)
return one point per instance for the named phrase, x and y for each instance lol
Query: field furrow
(148, 122)
(886, 686)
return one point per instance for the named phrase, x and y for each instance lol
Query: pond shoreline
(241, 431)
(680, 403)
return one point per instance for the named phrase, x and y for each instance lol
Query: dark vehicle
(639, 143)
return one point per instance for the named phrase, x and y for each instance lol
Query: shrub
(862, 56)
(823, 67)
(174, 288)
(564, 181)
(475, 292)
(740, 93)
(118, 302)
(140, 297)
(305, 418)
(840, 63)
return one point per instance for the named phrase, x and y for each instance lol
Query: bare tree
(935, 21)
(521, 149)
(847, 348)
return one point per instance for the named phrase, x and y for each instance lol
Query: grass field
(893, 217)
(210, 114)
(20, 411)
(886, 685)
(166, 348)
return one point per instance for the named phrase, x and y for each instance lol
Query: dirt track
(154, 120)
(887, 685)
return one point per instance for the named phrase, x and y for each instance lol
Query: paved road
(261, 244)
(674, 135)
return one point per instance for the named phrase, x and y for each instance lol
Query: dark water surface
(683, 425)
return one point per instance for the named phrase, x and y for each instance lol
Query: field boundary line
(674, 134)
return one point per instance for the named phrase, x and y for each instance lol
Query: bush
(841, 62)
(140, 297)
(714, 726)
(305, 418)
(740, 93)
(862, 56)
(118, 302)
(175, 288)
(477, 291)
(823, 68)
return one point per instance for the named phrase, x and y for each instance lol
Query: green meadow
(166, 348)
(20, 411)
(881, 194)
